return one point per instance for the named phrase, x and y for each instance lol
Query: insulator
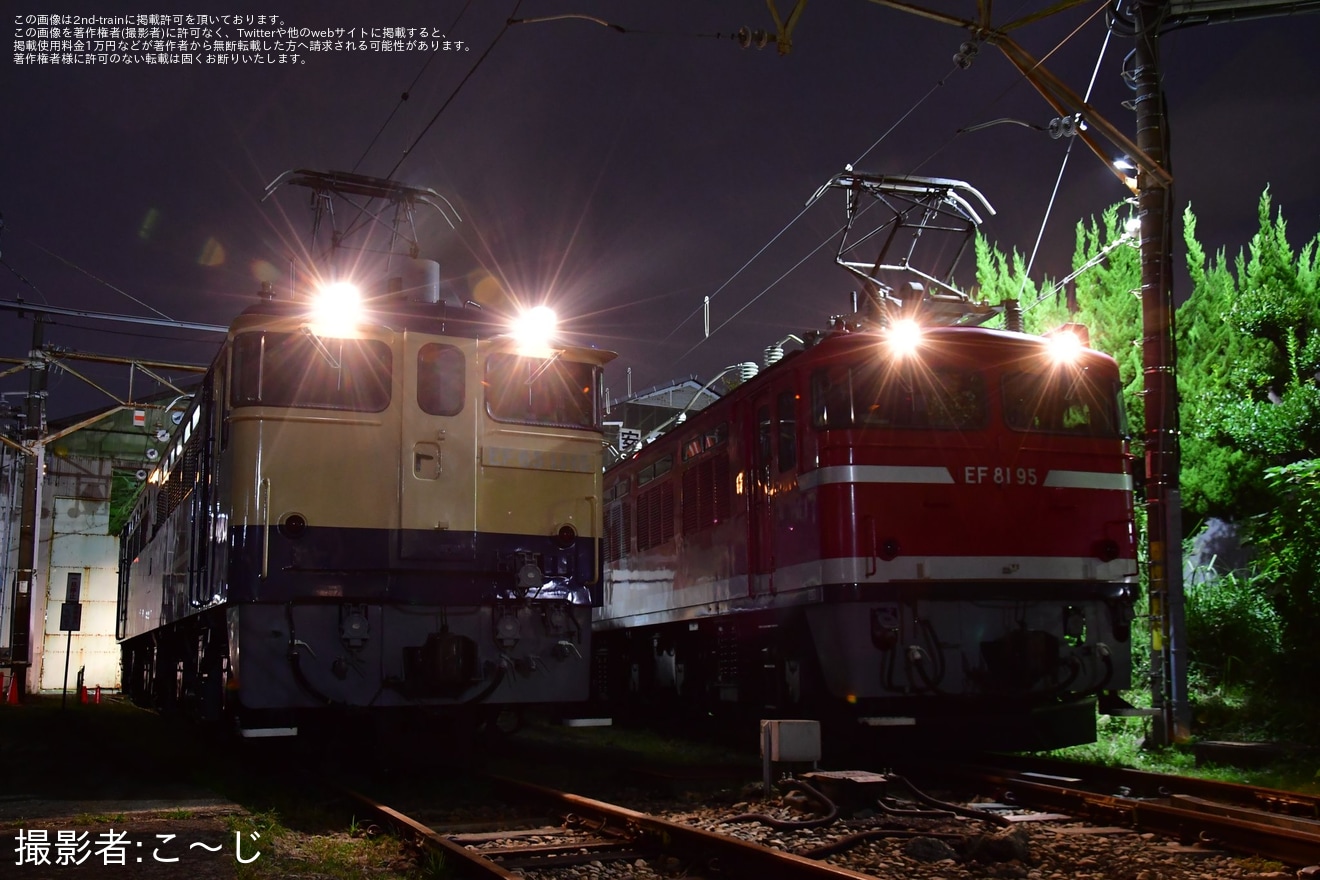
(773, 355)
(748, 38)
(1013, 315)
(747, 371)
(1067, 126)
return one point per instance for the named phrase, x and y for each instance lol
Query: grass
(1126, 742)
(99, 818)
(352, 853)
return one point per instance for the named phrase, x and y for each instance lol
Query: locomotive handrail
(513, 432)
(263, 510)
(248, 414)
(595, 545)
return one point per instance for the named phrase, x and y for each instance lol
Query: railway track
(560, 834)
(1268, 823)
(1001, 817)
(593, 831)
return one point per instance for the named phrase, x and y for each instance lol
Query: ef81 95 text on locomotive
(914, 527)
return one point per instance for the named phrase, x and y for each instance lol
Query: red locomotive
(926, 531)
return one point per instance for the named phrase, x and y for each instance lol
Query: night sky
(620, 177)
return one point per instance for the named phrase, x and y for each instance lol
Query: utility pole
(1155, 202)
(1163, 498)
(34, 428)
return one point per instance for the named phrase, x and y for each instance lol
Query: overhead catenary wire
(766, 289)
(23, 278)
(454, 94)
(353, 225)
(412, 85)
(509, 22)
(706, 304)
(789, 225)
(98, 280)
(1016, 83)
(1026, 272)
(512, 20)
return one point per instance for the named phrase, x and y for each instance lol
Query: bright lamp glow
(336, 309)
(535, 328)
(904, 336)
(1065, 346)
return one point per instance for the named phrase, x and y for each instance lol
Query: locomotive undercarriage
(274, 668)
(896, 663)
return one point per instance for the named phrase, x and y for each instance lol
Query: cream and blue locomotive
(370, 504)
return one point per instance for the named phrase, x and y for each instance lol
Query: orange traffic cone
(11, 696)
(97, 699)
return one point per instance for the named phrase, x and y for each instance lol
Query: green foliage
(1249, 349)
(1248, 340)
(1288, 543)
(1233, 629)
(1105, 299)
(1000, 277)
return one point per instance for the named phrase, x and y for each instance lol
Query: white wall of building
(79, 544)
(75, 512)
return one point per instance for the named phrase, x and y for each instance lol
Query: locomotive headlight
(1066, 343)
(1064, 347)
(903, 336)
(534, 329)
(336, 309)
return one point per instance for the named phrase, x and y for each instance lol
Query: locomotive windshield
(1063, 402)
(887, 396)
(304, 370)
(542, 391)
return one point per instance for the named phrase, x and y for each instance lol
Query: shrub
(1233, 630)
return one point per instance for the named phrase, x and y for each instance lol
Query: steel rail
(1145, 783)
(736, 857)
(475, 862)
(1241, 830)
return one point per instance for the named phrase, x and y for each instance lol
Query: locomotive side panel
(167, 566)
(937, 546)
